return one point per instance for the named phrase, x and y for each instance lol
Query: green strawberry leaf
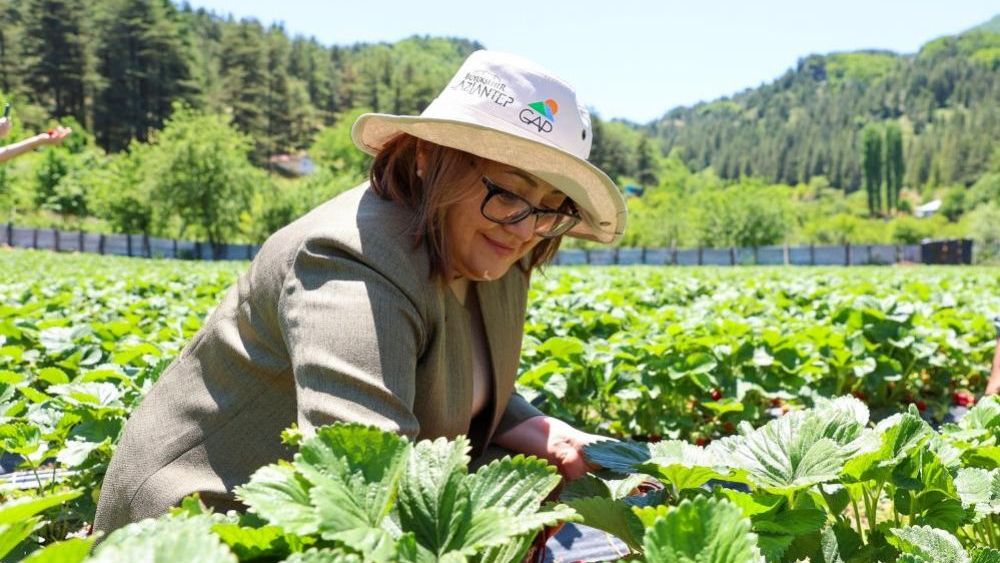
(706, 530)
(169, 538)
(928, 544)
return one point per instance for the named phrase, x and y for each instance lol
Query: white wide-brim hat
(507, 109)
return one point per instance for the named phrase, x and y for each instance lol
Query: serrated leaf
(898, 436)
(279, 495)
(798, 450)
(585, 487)
(434, 498)
(684, 466)
(252, 543)
(518, 484)
(54, 376)
(706, 530)
(168, 539)
(25, 507)
(13, 533)
(612, 516)
(795, 522)
(72, 550)
(618, 456)
(931, 544)
(979, 489)
(325, 555)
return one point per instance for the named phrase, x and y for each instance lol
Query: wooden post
(700, 259)
(732, 255)
(34, 238)
(614, 256)
(10, 234)
(79, 238)
(175, 247)
(100, 244)
(642, 255)
(847, 254)
(787, 254)
(55, 238)
(812, 254)
(128, 244)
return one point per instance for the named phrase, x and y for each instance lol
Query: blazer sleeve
(518, 410)
(353, 339)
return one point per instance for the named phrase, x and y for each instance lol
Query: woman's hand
(553, 440)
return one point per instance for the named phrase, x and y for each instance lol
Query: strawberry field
(816, 396)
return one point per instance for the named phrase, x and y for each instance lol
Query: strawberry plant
(821, 483)
(351, 493)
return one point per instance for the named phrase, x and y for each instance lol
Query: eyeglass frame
(492, 189)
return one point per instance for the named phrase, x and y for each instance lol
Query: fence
(934, 252)
(123, 245)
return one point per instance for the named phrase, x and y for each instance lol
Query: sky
(631, 59)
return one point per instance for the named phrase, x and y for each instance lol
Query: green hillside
(808, 121)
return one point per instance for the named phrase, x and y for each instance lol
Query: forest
(182, 117)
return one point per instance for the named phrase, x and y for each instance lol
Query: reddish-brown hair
(445, 181)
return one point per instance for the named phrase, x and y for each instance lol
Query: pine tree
(244, 63)
(143, 66)
(53, 56)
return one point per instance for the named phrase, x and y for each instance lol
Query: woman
(399, 303)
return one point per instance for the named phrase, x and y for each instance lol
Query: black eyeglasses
(506, 207)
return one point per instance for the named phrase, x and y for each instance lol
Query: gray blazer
(335, 320)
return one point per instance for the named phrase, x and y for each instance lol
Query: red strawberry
(700, 441)
(860, 395)
(51, 132)
(728, 427)
(716, 394)
(777, 402)
(963, 398)
(921, 406)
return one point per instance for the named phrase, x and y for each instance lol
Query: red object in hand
(716, 394)
(963, 398)
(51, 132)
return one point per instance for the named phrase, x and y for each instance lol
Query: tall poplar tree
(895, 169)
(871, 165)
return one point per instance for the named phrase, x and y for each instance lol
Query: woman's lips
(501, 249)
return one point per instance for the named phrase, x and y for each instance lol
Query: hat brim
(595, 194)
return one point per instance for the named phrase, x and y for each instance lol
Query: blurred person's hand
(55, 136)
(4, 126)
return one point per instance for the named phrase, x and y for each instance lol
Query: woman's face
(482, 250)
